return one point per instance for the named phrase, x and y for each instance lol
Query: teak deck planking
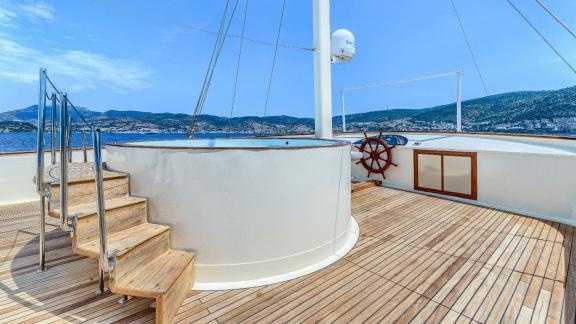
(418, 259)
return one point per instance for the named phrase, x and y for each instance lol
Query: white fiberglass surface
(237, 143)
(479, 144)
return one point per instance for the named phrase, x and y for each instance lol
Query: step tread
(156, 277)
(90, 208)
(359, 186)
(123, 241)
(78, 173)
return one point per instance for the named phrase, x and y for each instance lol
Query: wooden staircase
(145, 264)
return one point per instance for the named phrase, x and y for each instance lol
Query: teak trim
(331, 143)
(473, 170)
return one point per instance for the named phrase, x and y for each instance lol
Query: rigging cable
(223, 31)
(469, 47)
(542, 36)
(273, 66)
(556, 18)
(237, 69)
(211, 63)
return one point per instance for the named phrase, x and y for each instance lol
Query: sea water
(22, 142)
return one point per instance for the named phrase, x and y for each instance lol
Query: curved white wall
(253, 216)
(17, 171)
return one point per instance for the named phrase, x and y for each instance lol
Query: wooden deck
(418, 259)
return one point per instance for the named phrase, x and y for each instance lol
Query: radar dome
(342, 46)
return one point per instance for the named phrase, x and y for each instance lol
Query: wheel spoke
(371, 147)
(377, 146)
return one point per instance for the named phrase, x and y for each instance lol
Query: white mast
(458, 101)
(322, 70)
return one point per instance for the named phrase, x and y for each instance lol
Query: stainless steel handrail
(106, 263)
(40, 137)
(53, 130)
(69, 135)
(64, 152)
(84, 147)
(44, 194)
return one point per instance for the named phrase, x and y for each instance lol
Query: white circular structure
(256, 211)
(342, 46)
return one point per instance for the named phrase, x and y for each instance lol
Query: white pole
(458, 101)
(343, 110)
(322, 69)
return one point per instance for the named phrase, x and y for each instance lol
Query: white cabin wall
(542, 186)
(17, 172)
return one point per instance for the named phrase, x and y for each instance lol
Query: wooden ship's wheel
(376, 154)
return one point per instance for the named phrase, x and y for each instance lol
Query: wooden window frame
(473, 160)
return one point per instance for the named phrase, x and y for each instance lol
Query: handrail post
(84, 148)
(40, 130)
(64, 163)
(53, 130)
(459, 101)
(343, 110)
(105, 264)
(69, 130)
(40, 170)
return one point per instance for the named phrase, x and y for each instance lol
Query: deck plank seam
(332, 273)
(468, 259)
(438, 289)
(498, 238)
(524, 297)
(353, 276)
(490, 267)
(507, 279)
(555, 282)
(569, 268)
(476, 228)
(399, 283)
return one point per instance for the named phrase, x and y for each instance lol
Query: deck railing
(61, 98)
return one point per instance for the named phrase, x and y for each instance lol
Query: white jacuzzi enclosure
(256, 215)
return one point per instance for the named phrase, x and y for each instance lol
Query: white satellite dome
(342, 46)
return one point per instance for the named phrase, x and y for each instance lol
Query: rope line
(466, 39)
(237, 69)
(52, 84)
(541, 36)
(204, 89)
(78, 113)
(553, 15)
(68, 100)
(170, 22)
(220, 40)
(273, 66)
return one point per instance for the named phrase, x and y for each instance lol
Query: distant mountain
(524, 111)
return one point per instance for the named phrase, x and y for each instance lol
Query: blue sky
(146, 55)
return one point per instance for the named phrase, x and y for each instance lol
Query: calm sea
(17, 142)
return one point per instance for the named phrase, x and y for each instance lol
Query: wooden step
(122, 242)
(85, 191)
(78, 173)
(81, 184)
(359, 186)
(89, 209)
(167, 278)
(121, 213)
